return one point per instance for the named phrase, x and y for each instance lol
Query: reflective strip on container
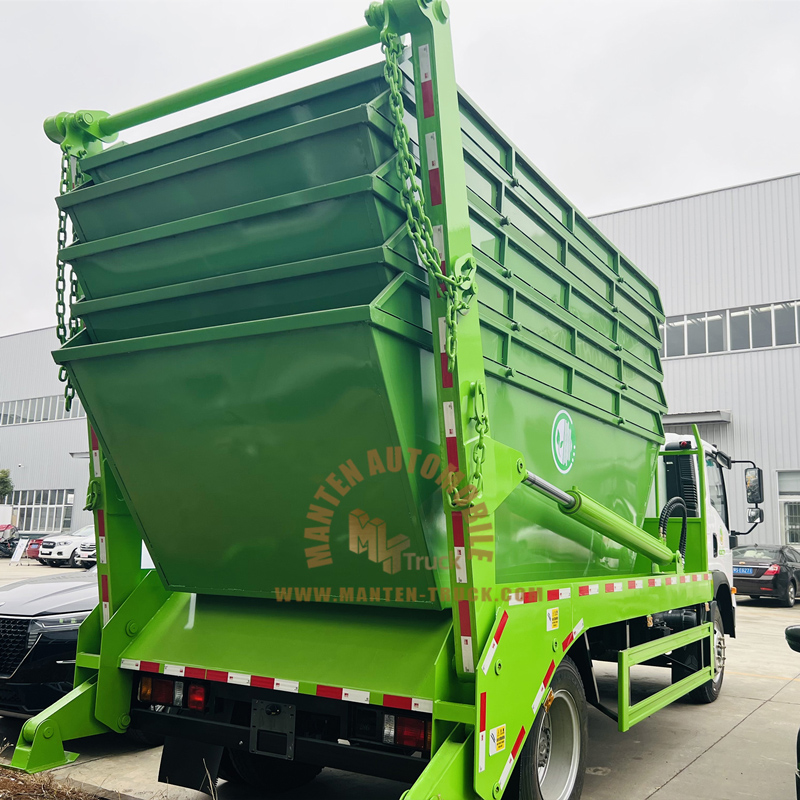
(482, 731)
(506, 773)
(286, 686)
(238, 678)
(466, 636)
(174, 669)
(101, 537)
(434, 175)
(447, 376)
(614, 587)
(651, 582)
(129, 663)
(573, 635)
(358, 696)
(590, 589)
(426, 81)
(459, 549)
(559, 594)
(104, 598)
(636, 584)
(523, 598)
(95, 454)
(450, 433)
(493, 643)
(671, 581)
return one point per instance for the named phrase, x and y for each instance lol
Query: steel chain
(64, 329)
(458, 288)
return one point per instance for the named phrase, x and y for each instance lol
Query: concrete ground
(742, 746)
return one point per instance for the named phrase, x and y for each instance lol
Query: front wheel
(553, 761)
(688, 661)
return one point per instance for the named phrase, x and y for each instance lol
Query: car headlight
(57, 622)
(62, 542)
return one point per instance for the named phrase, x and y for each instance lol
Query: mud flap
(193, 765)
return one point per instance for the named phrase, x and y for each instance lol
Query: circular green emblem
(562, 440)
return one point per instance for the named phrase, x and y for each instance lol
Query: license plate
(742, 570)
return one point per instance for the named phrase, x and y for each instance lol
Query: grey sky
(619, 103)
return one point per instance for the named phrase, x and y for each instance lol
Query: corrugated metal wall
(38, 453)
(734, 247)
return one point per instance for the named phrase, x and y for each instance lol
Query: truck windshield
(766, 553)
(716, 490)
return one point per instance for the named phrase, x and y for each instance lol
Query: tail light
(410, 732)
(388, 728)
(160, 691)
(773, 570)
(196, 697)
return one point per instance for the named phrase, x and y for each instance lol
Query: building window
(789, 505)
(38, 409)
(736, 329)
(41, 510)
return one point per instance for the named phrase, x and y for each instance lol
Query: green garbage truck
(385, 411)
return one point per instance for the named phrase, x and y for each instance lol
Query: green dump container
(242, 363)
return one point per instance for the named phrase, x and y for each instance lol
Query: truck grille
(13, 644)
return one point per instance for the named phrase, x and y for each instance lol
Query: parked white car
(62, 549)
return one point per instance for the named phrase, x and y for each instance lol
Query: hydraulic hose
(671, 505)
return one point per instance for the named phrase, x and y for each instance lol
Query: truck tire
(709, 691)
(272, 776)
(553, 761)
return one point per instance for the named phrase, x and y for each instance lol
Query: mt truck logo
(369, 536)
(562, 441)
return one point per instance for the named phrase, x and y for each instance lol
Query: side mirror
(754, 481)
(755, 516)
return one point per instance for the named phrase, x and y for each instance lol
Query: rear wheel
(271, 775)
(788, 597)
(553, 761)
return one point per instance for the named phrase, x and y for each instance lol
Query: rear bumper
(766, 586)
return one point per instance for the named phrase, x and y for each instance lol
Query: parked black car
(767, 571)
(39, 621)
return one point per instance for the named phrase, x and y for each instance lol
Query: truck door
(719, 553)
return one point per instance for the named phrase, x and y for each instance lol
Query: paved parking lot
(742, 746)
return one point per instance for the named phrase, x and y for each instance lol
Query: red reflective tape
(501, 627)
(695, 577)
(329, 691)
(216, 675)
(550, 670)
(101, 522)
(95, 443)
(194, 672)
(552, 594)
(463, 618)
(261, 682)
(483, 711)
(651, 581)
(530, 597)
(518, 743)
(149, 666)
(458, 529)
(684, 578)
(583, 591)
(447, 376)
(435, 179)
(609, 587)
(104, 588)
(567, 642)
(631, 584)
(452, 452)
(396, 701)
(427, 99)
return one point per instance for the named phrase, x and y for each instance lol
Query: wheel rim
(719, 652)
(791, 593)
(558, 748)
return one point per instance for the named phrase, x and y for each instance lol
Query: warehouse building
(728, 266)
(44, 445)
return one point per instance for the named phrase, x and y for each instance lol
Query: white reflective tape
(238, 678)
(618, 587)
(442, 334)
(487, 662)
(106, 613)
(504, 775)
(460, 554)
(437, 234)
(355, 696)
(466, 654)
(174, 669)
(287, 686)
(594, 588)
(129, 663)
(656, 581)
(424, 63)
(96, 463)
(639, 584)
(449, 419)
(517, 599)
(671, 581)
(564, 594)
(423, 706)
(431, 151)
(482, 752)
(538, 700)
(576, 631)
(101, 548)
